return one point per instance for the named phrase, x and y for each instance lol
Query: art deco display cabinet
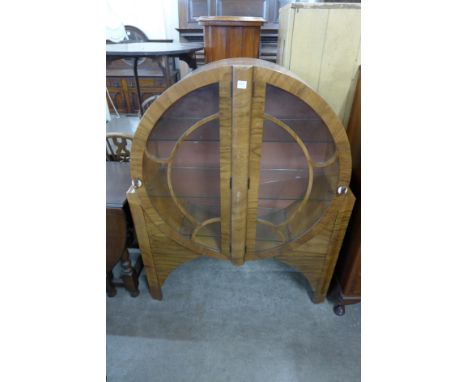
(241, 161)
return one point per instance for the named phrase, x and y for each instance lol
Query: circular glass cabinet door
(180, 167)
(299, 170)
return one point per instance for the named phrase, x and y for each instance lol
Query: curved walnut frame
(314, 252)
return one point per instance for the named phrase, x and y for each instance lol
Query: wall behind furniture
(156, 18)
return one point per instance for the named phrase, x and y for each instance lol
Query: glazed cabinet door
(184, 171)
(285, 163)
(298, 158)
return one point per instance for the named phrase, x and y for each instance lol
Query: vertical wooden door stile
(242, 85)
(255, 155)
(225, 121)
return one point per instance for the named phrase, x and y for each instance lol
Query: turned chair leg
(110, 287)
(129, 276)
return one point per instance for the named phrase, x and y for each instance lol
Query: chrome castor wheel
(339, 310)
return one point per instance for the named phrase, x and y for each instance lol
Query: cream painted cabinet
(321, 42)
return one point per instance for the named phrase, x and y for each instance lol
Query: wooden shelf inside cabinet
(241, 161)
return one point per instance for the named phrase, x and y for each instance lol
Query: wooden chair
(118, 146)
(147, 102)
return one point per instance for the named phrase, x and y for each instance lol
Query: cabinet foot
(318, 298)
(155, 290)
(155, 293)
(339, 310)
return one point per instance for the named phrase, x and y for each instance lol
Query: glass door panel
(181, 167)
(299, 170)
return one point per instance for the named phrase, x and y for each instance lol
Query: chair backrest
(135, 34)
(147, 102)
(118, 147)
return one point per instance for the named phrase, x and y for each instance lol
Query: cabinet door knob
(137, 183)
(342, 190)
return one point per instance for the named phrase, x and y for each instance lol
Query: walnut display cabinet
(241, 161)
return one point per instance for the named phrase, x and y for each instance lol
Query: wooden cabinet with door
(241, 161)
(347, 289)
(191, 10)
(321, 43)
(231, 36)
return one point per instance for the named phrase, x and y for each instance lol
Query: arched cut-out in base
(315, 259)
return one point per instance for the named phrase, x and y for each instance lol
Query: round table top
(151, 49)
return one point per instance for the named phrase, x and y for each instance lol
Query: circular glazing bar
(309, 166)
(205, 223)
(274, 227)
(181, 140)
(171, 157)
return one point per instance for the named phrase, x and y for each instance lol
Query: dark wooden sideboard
(119, 231)
(191, 10)
(347, 288)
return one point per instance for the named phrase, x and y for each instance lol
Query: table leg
(128, 275)
(167, 71)
(190, 59)
(135, 74)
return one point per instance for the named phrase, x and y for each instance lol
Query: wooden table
(118, 220)
(184, 51)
